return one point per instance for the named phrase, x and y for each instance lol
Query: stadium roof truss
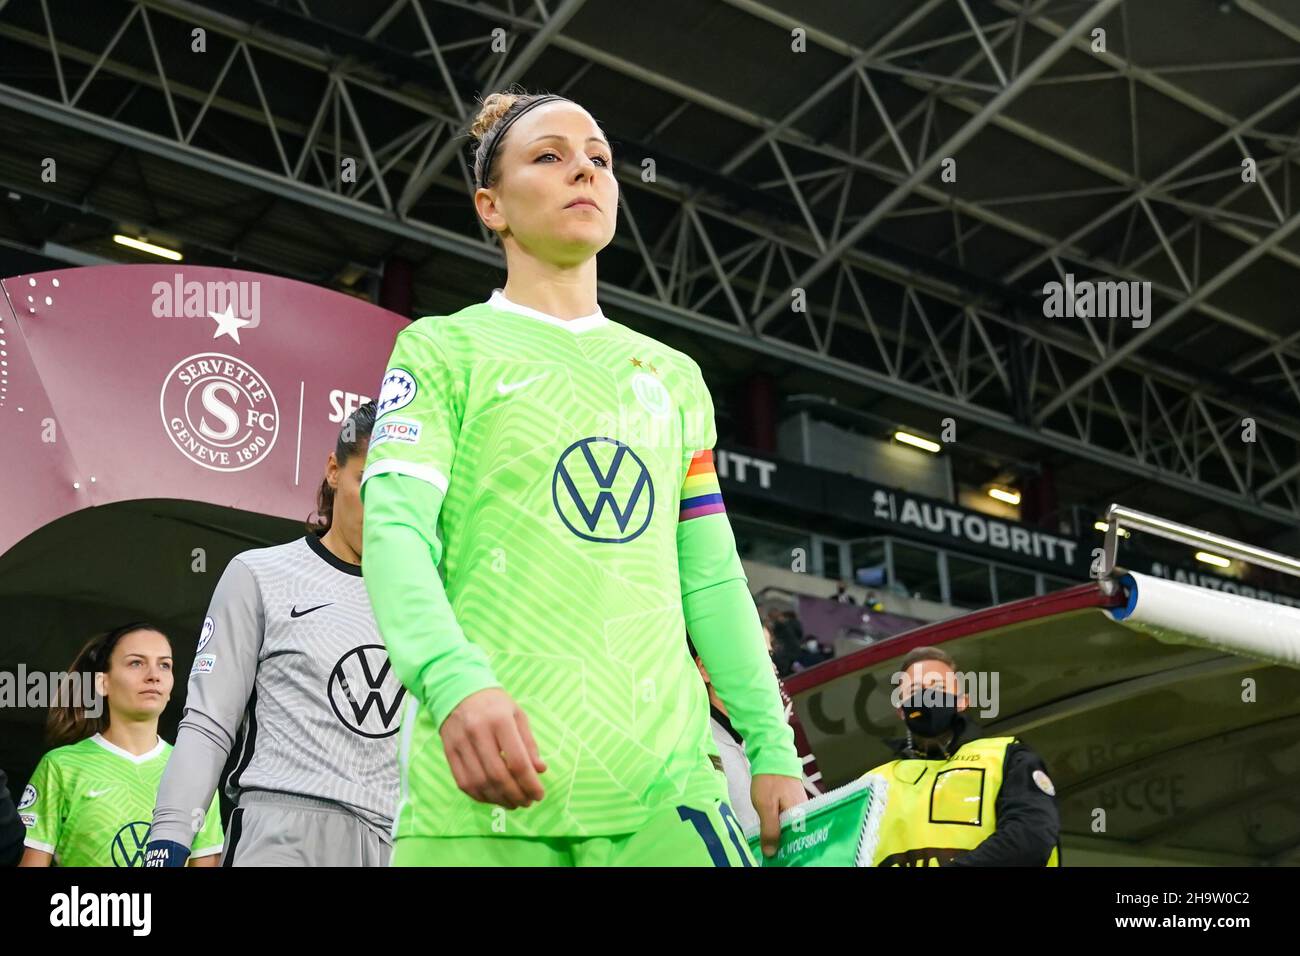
(786, 201)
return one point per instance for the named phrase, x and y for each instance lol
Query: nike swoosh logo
(297, 613)
(504, 389)
(97, 793)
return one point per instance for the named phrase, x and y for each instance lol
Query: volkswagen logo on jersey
(365, 693)
(602, 491)
(397, 391)
(129, 844)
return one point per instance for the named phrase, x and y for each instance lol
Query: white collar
(115, 749)
(581, 324)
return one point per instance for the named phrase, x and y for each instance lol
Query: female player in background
(539, 540)
(91, 798)
(289, 662)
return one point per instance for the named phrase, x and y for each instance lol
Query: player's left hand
(773, 794)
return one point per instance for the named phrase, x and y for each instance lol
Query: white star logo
(403, 387)
(397, 390)
(228, 324)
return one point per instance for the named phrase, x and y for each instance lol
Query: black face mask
(927, 716)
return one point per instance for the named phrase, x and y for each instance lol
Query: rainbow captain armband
(701, 493)
(837, 828)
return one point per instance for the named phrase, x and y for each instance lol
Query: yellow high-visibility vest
(936, 809)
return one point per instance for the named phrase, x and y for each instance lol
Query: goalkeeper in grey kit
(292, 675)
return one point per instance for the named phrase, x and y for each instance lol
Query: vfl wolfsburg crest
(650, 392)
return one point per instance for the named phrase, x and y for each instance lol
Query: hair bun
(494, 107)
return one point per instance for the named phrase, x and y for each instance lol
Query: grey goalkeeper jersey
(735, 767)
(291, 674)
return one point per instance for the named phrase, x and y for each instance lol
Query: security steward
(956, 797)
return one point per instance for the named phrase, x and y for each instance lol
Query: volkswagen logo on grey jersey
(365, 693)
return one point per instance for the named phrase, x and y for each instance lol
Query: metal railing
(1118, 516)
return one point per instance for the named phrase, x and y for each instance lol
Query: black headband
(496, 135)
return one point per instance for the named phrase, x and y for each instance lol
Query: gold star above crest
(636, 362)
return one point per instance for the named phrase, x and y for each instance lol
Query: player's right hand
(165, 853)
(492, 753)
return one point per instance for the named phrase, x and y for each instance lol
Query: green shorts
(691, 835)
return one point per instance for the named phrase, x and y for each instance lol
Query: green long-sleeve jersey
(542, 515)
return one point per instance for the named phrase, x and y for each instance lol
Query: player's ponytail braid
(68, 721)
(354, 438)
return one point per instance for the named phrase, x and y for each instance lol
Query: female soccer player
(91, 797)
(539, 540)
(289, 659)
